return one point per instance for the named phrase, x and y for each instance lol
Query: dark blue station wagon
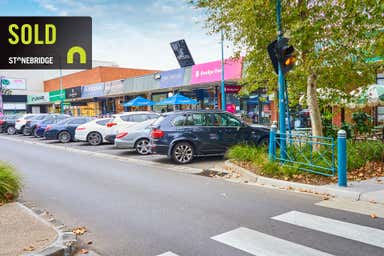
(187, 134)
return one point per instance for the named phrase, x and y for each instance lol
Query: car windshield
(64, 121)
(39, 117)
(29, 117)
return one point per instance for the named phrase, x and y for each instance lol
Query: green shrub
(361, 152)
(247, 153)
(270, 168)
(10, 184)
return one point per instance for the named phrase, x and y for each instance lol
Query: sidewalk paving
(371, 190)
(21, 232)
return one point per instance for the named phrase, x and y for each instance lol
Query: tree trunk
(313, 106)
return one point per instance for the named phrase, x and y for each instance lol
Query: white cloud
(139, 35)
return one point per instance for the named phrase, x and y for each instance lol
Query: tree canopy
(333, 39)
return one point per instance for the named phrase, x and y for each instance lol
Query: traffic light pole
(281, 84)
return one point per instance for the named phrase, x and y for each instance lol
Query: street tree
(333, 40)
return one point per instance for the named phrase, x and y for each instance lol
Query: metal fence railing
(308, 153)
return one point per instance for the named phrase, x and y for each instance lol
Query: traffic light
(285, 55)
(281, 52)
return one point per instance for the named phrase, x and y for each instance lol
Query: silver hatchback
(136, 137)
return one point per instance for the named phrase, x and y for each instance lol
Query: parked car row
(180, 135)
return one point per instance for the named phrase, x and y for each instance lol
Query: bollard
(272, 142)
(342, 158)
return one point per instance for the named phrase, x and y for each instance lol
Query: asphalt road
(139, 210)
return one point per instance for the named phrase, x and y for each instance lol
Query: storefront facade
(201, 82)
(38, 103)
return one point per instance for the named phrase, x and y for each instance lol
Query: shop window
(380, 114)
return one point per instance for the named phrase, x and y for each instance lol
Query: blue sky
(132, 33)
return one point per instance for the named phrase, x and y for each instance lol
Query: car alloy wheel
(182, 153)
(142, 147)
(94, 138)
(11, 130)
(25, 132)
(34, 132)
(64, 137)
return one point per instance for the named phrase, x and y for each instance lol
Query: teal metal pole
(223, 97)
(281, 80)
(272, 142)
(342, 158)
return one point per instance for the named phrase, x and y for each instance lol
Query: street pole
(61, 87)
(223, 97)
(281, 84)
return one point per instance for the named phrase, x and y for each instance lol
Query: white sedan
(93, 132)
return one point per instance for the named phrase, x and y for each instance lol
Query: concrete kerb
(65, 243)
(184, 169)
(295, 186)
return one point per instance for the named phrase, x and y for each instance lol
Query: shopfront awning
(138, 102)
(177, 99)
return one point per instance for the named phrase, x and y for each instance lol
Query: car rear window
(103, 122)
(134, 118)
(158, 121)
(180, 120)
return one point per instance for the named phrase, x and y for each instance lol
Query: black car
(186, 134)
(7, 124)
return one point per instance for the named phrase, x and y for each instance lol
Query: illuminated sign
(46, 43)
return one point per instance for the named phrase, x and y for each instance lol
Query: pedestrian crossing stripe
(342, 229)
(260, 244)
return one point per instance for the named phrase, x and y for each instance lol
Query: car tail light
(2, 121)
(157, 133)
(121, 135)
(48, 128)
(80, 128)
(111, 124)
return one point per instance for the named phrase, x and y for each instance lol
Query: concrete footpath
(23, 232)
(368, 190)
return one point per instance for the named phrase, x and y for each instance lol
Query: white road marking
(261, 244)
(168, 254)
(354, 206)
(346, 230)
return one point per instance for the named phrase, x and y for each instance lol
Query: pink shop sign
(211, 71)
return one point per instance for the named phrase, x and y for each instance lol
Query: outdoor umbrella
(138, 102)
(177, 99)
(371, 96)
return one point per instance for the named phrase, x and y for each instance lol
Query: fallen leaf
(373, 216)
(373, 202)
(361, 174)
(79, 230)
(29, 248)
(325, 198)
(90, 242)
(83, 251)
